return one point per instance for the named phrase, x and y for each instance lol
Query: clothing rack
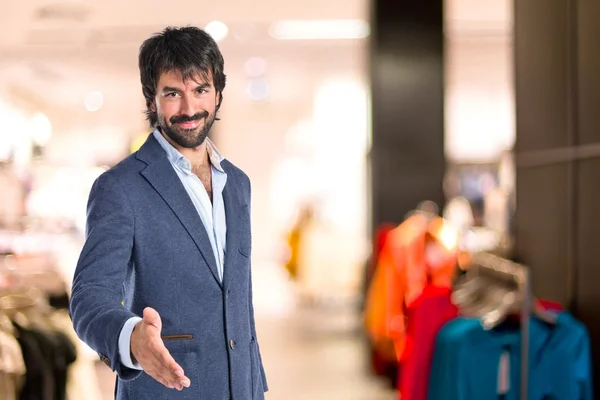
(522, 277)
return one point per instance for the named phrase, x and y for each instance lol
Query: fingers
(160, 378)
(164, 358)
(177, 384)
(165, 367)
(165, 376)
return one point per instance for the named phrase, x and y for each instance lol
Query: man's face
(185, 109)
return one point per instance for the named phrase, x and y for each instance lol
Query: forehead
(175, 78)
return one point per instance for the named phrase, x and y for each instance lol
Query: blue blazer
(147, 247)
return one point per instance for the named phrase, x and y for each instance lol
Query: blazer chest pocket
(177, 337)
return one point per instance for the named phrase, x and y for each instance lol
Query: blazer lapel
(163, 178)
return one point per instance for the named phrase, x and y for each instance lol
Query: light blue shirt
(211, 214)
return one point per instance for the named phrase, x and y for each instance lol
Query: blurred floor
(311, 351)
(319, 365)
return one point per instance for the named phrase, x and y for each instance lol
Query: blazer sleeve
(96, 310)
(251, 303)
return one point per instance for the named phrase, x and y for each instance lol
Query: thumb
(151, 317)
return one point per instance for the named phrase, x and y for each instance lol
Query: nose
(187, 106)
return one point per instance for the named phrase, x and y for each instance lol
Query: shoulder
(128, 165)
(237, 174)
(122, 173)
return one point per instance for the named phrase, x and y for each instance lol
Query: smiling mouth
(188, 124)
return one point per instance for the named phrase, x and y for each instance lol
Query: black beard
(187, 138)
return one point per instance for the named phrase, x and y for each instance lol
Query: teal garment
(561, 367)
(467, 358)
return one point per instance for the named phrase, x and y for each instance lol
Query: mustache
(178, 119)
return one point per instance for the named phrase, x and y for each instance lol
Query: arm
(96, 310)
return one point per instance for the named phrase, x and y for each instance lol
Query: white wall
(480, 121)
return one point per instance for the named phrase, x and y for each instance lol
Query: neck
(198, 156)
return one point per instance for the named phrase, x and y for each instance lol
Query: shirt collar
(176, 158)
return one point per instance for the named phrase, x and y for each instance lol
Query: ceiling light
(41, 129)
(320, 29)
(94, 101)
(217, 30)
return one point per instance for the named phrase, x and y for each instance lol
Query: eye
(202, 91)
(171, 94)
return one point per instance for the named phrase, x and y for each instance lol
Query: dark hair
(189, 50)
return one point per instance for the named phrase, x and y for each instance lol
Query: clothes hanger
(427, 208)
(492, 289)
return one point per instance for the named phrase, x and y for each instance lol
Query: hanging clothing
(82, 382)
(425, 317)
(39, 383)
(401, 275)
(47, 355)
(381, 365)
(64, 355)
(379, 239)
(384, 307)
(12, 367)
(293, 243)
(472, 363)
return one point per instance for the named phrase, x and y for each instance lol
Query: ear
(218, 106)
(152, 106)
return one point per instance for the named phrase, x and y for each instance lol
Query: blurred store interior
(346, 117)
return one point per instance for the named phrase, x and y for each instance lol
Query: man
(162, 289)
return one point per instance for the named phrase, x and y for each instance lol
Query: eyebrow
(168, 89)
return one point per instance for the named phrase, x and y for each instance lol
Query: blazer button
(232, 344)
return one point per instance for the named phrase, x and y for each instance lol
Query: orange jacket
(401, 275)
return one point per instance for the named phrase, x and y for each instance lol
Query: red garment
(426, 316)
(550, 305)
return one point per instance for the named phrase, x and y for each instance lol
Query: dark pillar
(558, 153)
(407, 68)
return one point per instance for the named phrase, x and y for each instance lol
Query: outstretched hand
(150, 352)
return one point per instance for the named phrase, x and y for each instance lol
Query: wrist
(127, 343)
(133, 341)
